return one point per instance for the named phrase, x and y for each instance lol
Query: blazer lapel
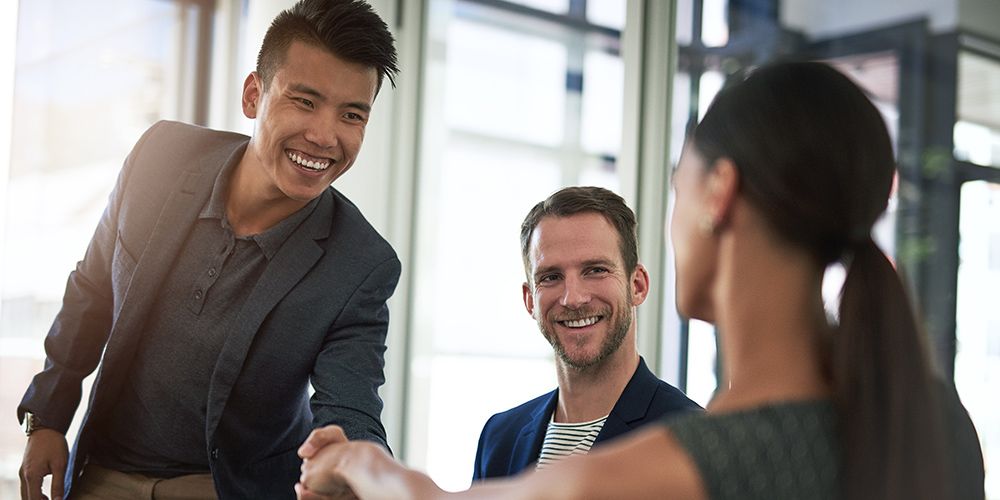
(529, 442)
(288, 266)
(632, 405)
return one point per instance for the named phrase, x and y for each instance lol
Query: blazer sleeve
(479, 472)
(77, 337)
(349, 368)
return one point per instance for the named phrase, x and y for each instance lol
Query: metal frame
(575, 19)
(202, 79)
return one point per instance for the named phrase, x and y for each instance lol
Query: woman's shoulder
(778, 450)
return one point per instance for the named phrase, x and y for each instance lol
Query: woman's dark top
(790, 450)
(787, 450)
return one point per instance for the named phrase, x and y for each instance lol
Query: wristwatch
(31, 423)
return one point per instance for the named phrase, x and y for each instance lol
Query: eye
(597, 270)
(305, 102)
(354, 117)
(548, 278)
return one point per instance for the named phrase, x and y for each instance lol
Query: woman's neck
(772, 324)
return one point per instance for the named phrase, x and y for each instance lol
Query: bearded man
(584, 282)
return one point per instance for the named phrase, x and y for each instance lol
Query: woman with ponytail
(785, 175)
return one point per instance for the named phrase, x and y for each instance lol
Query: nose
(322, 130)
(575, 293)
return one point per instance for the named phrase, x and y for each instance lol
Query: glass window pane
(555, 6)
(680, 113)
(603, 91)
(977, 132)
(115, 71)
(511, 180)
(701, 378)
(977, 322)
(598, 172)
(833, 283)
(976, 143)
(517, 80)
(685, 13)
(498, 384)
(610, 13)
(711, 83)
(715, 23)
(89, 78)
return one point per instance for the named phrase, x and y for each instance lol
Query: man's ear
(640, 285)
(722, 188)
(252, 91)
(529, 299)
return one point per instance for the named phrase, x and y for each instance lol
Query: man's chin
(580, 361)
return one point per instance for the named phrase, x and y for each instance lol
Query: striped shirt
(563, 440)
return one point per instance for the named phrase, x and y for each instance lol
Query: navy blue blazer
(511, 441)
(316, 315)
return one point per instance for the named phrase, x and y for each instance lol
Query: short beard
(616, 336)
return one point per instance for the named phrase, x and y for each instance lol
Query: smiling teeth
(580, 323)
(311, 165)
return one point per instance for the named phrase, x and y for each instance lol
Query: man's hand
(317, 440)
(46, 453)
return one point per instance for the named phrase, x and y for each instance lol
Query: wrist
(31, 423)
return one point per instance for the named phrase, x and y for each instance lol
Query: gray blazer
(318, 314)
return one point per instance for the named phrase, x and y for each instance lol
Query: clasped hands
(336, 468)
(325, 453)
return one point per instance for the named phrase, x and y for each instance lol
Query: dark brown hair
(349, 29)
(581, 199)
(815, 158)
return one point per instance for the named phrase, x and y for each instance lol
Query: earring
(707, 225)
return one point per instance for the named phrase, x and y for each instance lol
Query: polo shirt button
(198, 294)
(215, 454)
(211, 273)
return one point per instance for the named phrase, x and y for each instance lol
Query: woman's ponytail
(890, 419)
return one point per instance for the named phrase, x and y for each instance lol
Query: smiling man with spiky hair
(225, 276)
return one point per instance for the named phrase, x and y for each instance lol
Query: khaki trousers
(99, 483)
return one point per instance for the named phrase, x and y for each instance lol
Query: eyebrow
(600, 262)
(317, 95)
(587, 263)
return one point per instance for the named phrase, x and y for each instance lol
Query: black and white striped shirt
(563, 440)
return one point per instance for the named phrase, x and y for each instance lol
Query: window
(89, 78)
(977, 131)
(977, 360)
(521, 98)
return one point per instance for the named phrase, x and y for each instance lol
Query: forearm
(349, 367)
(645, 464)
